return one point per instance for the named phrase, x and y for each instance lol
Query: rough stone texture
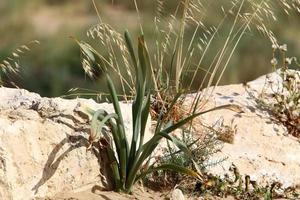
(261, 148)
(43, 145)
(43, 142)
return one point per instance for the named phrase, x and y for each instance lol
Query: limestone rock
(262, 148)
(43, 145)
(177, 195)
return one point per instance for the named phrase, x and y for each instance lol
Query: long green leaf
(96, 127)
(104, 121)
(129, 44)
(110, 123)
(181, 145)
(94, 124)
(140, 106)
(148, 147)
(147, 61)
(144, 118)
(124, 149)
(146, 150)
(115, 169)
(141, 54)
(138, 74)
(137, 129)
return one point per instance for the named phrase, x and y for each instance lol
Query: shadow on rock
(54, 161)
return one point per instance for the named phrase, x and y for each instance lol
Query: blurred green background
(54, 66)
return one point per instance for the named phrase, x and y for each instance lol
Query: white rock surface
(43, 145)
(177, 195)
(261, 148)
(42, 142)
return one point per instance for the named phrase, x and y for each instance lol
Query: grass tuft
(284, 99)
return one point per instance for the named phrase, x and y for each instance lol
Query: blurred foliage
(54, 67)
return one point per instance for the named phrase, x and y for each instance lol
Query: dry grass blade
(10, 65)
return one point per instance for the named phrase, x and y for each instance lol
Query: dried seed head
(288, 61)
(283, 47)
(274, 61)
(274, 46)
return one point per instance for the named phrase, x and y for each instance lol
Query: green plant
(186, 42)
(242, 187)
(201, 148)
(128, 162)
(164, 70)
(284, 98)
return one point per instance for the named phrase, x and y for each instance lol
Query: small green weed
(241, 187)
(201, 149)
(284, 101)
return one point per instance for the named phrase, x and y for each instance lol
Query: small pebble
(177, 195)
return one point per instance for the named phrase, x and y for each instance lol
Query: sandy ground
(138, 194)
(94, 194)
